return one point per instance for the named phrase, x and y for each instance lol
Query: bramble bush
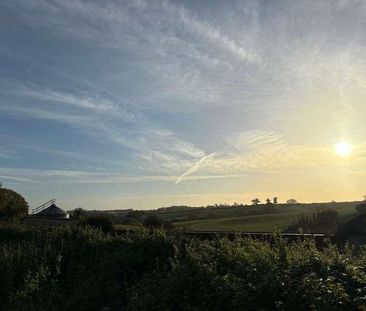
(84, 269)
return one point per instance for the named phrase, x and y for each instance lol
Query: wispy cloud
(45, 114)
(210, 33)
(98, 105)
(158, 149)
(17, 179)
(194, 167)
(268, 152)
(59, 177)
(256, 140)
(36, 148)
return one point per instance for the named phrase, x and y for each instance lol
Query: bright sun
(343, 149)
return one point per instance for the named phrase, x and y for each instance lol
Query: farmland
(243, 218)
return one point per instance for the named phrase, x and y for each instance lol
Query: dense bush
(152, 222)
(102, 222)
(84, 269)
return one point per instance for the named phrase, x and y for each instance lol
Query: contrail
(195, 167)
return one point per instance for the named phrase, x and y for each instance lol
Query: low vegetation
(76, 268)
(319, 221)
(88, 265)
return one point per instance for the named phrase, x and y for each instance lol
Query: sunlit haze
(343, 149)
(144, 104)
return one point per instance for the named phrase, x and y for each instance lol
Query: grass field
(256, 223)
(259, 223)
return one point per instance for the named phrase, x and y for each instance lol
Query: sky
(143, 104)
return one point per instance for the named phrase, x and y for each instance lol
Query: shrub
(101, 222)
(12, 204)
(152, 222)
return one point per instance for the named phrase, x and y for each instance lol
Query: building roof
(52, 210)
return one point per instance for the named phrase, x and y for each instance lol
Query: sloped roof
(52, 210)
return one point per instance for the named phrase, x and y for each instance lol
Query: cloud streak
(194, 167)
(67, 177)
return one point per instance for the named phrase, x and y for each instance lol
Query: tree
(275, 200)
(12, 204)
(269, 206)
(79, 212)
(291, 201)
(255, 201)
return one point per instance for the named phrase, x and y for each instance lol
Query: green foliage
(12, 204)
(84, 269)
(75, 268)
(78, 213)
(361, 208)
(152, 222)
(320, 220)
(354, 229)
(102, 222)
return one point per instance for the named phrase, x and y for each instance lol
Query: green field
(281, 219)
(256, 223)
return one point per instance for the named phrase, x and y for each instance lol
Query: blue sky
(143, 104)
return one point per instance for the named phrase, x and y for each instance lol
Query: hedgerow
(85, 269)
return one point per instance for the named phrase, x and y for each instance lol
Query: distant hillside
(177, 208)
(263, 217)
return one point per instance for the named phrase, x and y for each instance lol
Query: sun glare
(343, 149)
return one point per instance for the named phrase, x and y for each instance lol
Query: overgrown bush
(84, 269)
(98, 221)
